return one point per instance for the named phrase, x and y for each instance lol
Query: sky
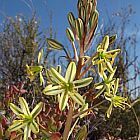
(59, 10)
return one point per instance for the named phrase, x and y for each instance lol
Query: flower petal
(34, 127)
(77, 98)
(63, 101)
(56, 76)
(24, 106)
(15, 109)
(17, 124)
(52, 90)
(27, 132)
(100, 92)
(105, 43)
(82, 82)
(71, 72)
(108, 113)
(98, 85)
(37, 110)
(109, 67)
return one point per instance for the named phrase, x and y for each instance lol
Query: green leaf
(77, 98)
(71, 72)
(70, 35)
(52, 90)
(15, 109)
(79, 28)
(34, 127)
(63, 101)
(37, 110)
(17, 124)
(82, 82)
(55, 44)
(82, 134)
(24, 106)
(57, 77)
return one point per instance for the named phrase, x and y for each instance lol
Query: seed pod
(70, 35)
(79, 4)
(88, 10)
(82, 13)
(112, 39)
(54, 44)
(93, 19)
(79, 28)
(71, 20)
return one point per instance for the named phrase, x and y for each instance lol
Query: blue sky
(60, 9)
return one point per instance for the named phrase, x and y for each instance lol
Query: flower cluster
(109, 85)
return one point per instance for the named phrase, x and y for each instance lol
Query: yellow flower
(116, 101)
(104, 59)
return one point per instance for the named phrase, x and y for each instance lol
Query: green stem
(75, 52)
(138, 122)
(70, 132)
(68, 123)
(89, 109)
